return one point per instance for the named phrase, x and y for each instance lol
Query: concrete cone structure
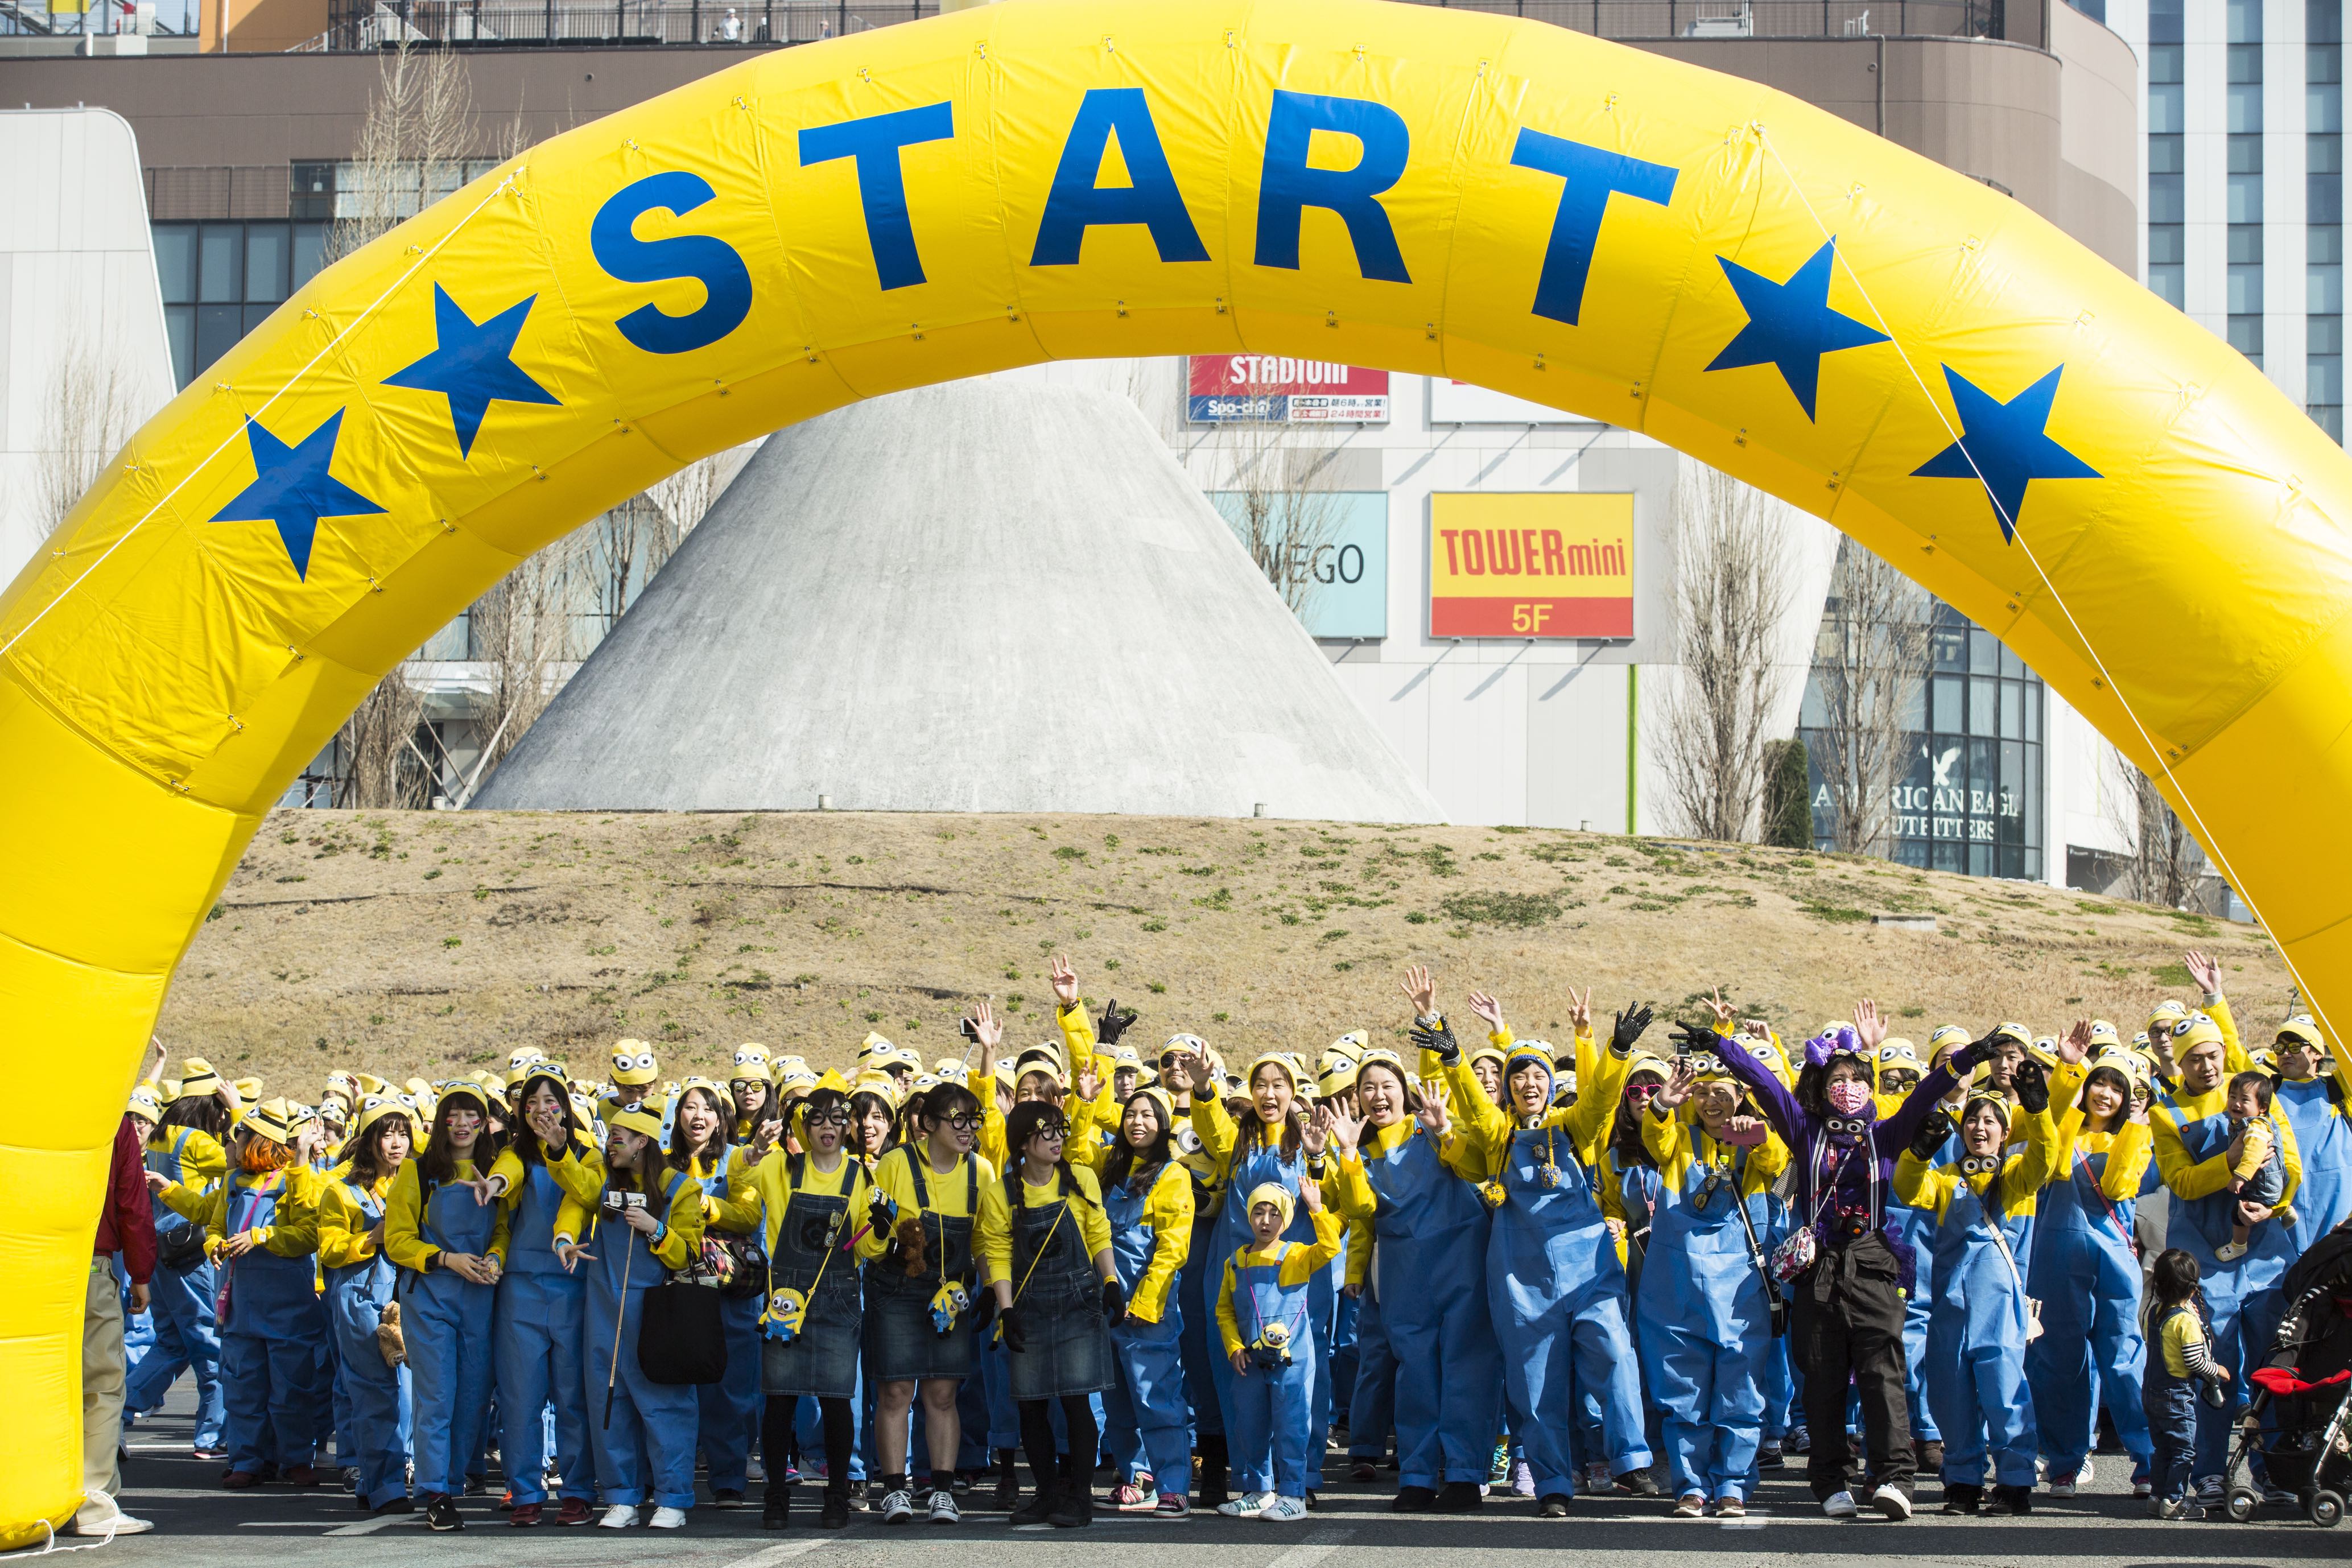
(995, 596)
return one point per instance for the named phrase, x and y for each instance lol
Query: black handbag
(180, 1249)
(680, 1337)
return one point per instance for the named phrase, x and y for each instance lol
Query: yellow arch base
(1425, 189)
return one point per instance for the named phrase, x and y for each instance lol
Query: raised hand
(1089, 1084)
(1344, 1130)
(1432, 1114)
(1115, 1021)
(1724, 1011)
(1869, 1024)
(1311, 1196)
(1629, 1029)
(1490, 1011)
(2204, 971)
(1419, 989)
(1679, 1085)
(1580, 1009)
(1065, 980)
(1315, 1131)
(571, 1255)
(2077, 1046)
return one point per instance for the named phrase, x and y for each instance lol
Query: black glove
(1440, 1039)
(983, 1307)
(1629, 1029)
(1933, 1132)
(1692, 1038)
(1115, 1021)
(1016, 1334)
(1114, 1302)
(881, 1214)
(1972, 1056)
(2031, 1082)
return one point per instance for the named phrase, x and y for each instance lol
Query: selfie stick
(620, 1317)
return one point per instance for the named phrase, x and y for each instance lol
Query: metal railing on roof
(367, 24)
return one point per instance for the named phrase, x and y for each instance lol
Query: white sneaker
(1284, 1510)
(2083, 1476)
(1839, 1505)
(620, 1516)
(669, 1519)
(2062, 1488)
(1249, 1505)
(943, 1507)
(100, 1515)
(898, 1508)
(1892, 1501)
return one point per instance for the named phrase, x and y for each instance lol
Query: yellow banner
(1531, 564)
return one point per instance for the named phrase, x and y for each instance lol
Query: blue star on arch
(2004, 445)
(474, 365)
(1790, 325)
(292, 489)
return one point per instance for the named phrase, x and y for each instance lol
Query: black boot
(1073, 1508)
(1008, 1481)
(1038, 1512)
(1961, 1498)
(1458, 1497)
(835, 1514)
(776, 1507)
(1212, 1495)
(1413, 1500)
(2012, 1500)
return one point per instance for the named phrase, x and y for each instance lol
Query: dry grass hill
(407, 943)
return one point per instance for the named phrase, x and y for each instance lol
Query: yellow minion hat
(1163, 1100)
(1272, 1193)
(249, 1090)
(522, 1056)
(796, 1077)
(2302, 1030)
(1952, 1034)
(518, 1085)
(726, 1099)
(1006, 1076)
(343, 1083)
(2018, 1032)
(873, 1042)
(145, 1103)
(1337, 1075)
(634, 1063)
(753, 1061)
(951, 1069)
(2104, 1036)
(168, 1090)
(2044, 1050)
(637, 1119)
(375, 1108)
(369, 1084)
(2202, 1031)
(197, 1077)
(2166, 1012)
(272, 1118)
(1290, 1065)
(462, 1089)
(1355, 1043)
(790, 1062)
(1999, 1102)
(493, 1084)
(874, 1081)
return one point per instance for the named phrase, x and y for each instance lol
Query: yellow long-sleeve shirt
(724, 1210)
(579, 1171)
(2048, 1148)
(768, 1186)
(1601, 1082)
(2189, 1178)
(403, 1219)
(1348, 1187)
(1680, 1140)
(293, 1230)
(200, 1155)
(992, 1237)
(947, 1192)
(1168, 1210)
(681, 1237)
(1296, 1264)
(346, 1236)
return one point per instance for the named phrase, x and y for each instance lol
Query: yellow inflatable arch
(1880, 341)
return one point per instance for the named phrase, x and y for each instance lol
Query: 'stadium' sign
(1278, 389)
(1539, 564)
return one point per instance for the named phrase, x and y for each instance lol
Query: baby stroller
(2308, 1449)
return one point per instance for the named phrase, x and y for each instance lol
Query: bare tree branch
(2162, 864)
(1873, 655)
(93, 411)
(1732, 592)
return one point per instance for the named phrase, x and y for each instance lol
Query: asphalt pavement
(196, 1521)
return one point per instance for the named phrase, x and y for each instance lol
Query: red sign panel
(1276, 389)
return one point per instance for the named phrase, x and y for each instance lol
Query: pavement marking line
(1322, 1543)
(1755, 1520)
(369, 1526)
(780, 1553)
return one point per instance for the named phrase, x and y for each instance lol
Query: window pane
(266, 257)
(256, 314)
(310, 251)
(1982, 692)
(2033, 710)
(175, 261)
(2245, 244)
(2012, 708)
(180, 327)
(217, 329)
(2246, 290)
(2246, 108)
(1947, 702)
(1984, 652)
(220, 263)
(2011, 665)
(2245, 204)
(2163, 115)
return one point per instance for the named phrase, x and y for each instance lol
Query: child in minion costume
(1264, 1300)
(360, 1280)
(1706, 1304)
(636, 1074)
(262, 1221)
(640, 1430)
(1982, 1323)
(448, 1236)
(182, 1157)
(538, 1326)
(1556, 1286)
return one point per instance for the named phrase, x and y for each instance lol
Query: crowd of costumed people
(1472, 1267)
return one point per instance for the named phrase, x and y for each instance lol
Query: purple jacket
(1807, 1134)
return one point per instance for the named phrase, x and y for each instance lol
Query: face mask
(1848, 1096)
